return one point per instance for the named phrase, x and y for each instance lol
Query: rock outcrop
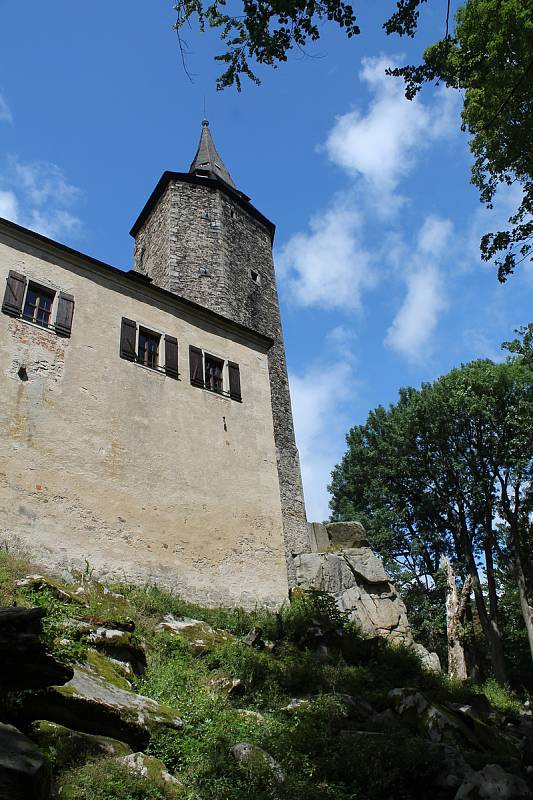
(344, 564)
(24, 662)
(24, 771)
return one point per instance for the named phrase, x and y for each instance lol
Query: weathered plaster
(142, 476)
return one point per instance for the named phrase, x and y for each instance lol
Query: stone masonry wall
(214, 245)
(152, 246)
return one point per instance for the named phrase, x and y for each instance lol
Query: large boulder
(199, 634)
(493, 783)
(25, 664)
(93, 704)
(357, 580)
(250, 756)
(24, 770)
(68, 748)
(153, 769)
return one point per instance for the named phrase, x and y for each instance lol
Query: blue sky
(377, 226)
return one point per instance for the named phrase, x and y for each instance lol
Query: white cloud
(381, 146)
(317, 397)
(425, 299)
(5, 111)
(9, 206)
(322, 401)
(43, 182)
(327, 266)
(38, 196)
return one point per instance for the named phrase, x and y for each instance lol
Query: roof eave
(133, 279)
(200, 180)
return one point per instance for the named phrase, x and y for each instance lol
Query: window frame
(34, 286)
(224, 390)
(148, 333)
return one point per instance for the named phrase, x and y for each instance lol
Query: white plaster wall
(106, 461)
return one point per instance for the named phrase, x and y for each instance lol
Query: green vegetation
(320, 742)
(447, 472)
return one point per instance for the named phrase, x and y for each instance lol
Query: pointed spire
(207, 159)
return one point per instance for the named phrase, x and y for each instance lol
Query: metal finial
(205, 123)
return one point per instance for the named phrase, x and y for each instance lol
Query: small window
(214, 374)
(34, 303)
(38, 305)
(214, 371)
(148, 350)
(255, 276)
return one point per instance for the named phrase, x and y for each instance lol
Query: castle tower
(200, 237)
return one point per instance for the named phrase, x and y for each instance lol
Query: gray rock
(409, 702)
(232, 687)
(358, 582)
(68, 747)
(92, 704)
(249, 754)
(318, 537)
(493, 783)
(454, 768)
(344, 535)
(201, 636)
(24, 770)
(253, 639)
(152, 768)
(429, 661)
(119, 645)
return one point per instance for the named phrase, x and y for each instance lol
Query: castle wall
(142, 476)
(214, 246)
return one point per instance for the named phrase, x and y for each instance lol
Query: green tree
(436, 473)
(487, 55)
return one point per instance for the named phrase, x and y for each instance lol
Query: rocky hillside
(157, 699)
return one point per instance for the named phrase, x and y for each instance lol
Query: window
(143, 346)
(214, 374)
(255, 276)
(148, 349)
(38, 304)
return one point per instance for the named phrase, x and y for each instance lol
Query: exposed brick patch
(27, 334)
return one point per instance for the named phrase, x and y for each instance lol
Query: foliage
(107, 780)
(433, 474)
(489, 58)
(500, 697)
(317, 743)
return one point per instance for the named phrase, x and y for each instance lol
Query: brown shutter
(128, 339)
(14, 294)
(196, 366)
(171, 356)
(234, 381)
(65, 312)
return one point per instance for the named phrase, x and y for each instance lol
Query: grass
(319, 745)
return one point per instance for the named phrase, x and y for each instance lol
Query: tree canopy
(486, 53)
(447, 471)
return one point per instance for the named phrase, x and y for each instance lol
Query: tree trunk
(525, 605)
(493, 596)
(492, 635)
(455, 607)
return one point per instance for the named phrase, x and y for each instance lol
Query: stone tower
(200, 237)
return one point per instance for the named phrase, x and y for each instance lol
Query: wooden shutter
(234, 381)
(128, 339)
(171, 356)
(65, 312)
(14, 294)
(196, 366)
